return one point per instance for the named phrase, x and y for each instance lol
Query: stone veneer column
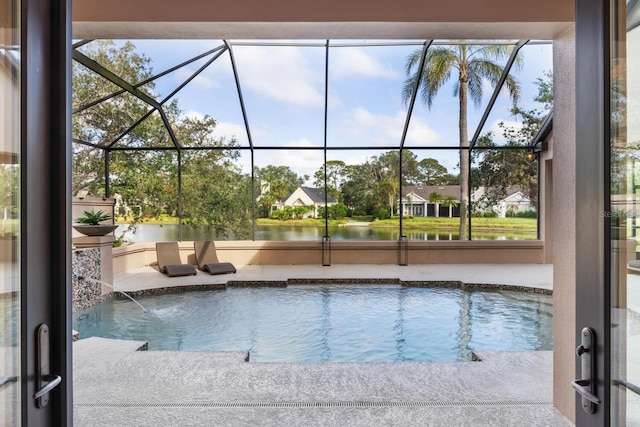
(564, 226)
(105, 244)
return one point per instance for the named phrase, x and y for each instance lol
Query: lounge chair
(208, 260)
(169, 261)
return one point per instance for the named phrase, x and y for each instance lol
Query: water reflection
(170, 232)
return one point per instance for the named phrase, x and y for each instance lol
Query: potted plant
(89, 223)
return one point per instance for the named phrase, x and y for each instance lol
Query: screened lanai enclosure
(314, 140)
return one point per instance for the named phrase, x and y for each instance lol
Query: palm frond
(439, 63)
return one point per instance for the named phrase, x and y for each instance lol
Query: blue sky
(284, 92)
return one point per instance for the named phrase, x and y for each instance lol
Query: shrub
(382, 213)
(527, 214)
(338, 211)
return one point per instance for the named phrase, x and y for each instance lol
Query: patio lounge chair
(208, 260)
(169, 261)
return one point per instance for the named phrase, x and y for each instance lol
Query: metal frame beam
(228, 46)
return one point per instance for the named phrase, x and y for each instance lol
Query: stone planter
(95, 230)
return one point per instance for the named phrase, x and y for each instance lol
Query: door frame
(45, 204)
(593, 269)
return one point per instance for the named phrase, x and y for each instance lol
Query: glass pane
(431, 194)
(436, 119)
(216, 195)
(212, 95)
(145, 187)
(167, 54)
(367, 185)
(283, 89)
(365, 106)
(623, 216)
(289, 201)
(504, 194)
(509, 124)
(9, 213)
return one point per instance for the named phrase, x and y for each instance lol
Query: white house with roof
(417, 201)
(308, 196)
(444, 201)
(515, 201)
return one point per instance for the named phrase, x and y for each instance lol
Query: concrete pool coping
(531, 277)
(114, 385)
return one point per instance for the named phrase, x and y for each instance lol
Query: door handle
(52, 382)
(46, 382)
(585, 386)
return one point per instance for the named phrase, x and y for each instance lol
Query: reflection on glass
(623, 214)
(87, 179)
(10, 59)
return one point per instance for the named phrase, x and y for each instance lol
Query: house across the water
(311, 197)
(444, 201)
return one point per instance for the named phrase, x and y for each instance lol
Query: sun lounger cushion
(219, 268)
(169, 261)
(179, 270)
(208, 259)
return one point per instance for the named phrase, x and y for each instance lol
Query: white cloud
(302, 162)
(347, 62)
(229, 131)
(195, 115)
(200, 80)
(281, 73)
(386, 130)
(498, 132)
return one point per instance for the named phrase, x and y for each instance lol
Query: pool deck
(115, 385)
(525, 275)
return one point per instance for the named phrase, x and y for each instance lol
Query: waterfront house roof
(424, 191)
(317, 195)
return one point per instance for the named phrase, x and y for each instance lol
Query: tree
(436, 198)
(474, 64)
(9, 178)
(215, 192)
(500, 170)
(432, 172)
(358, 190)
(335, 177)
(450, 202)
(388, 187)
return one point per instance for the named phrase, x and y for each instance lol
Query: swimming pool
(364, 323)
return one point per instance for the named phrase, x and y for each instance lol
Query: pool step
(96, 346)
(88, 351)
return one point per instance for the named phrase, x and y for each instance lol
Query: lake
(171, 232)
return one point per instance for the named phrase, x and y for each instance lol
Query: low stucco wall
(344, 252)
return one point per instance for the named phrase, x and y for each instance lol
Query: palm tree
(389, 187)
(436, 199)
(450, 202)
(474, 64)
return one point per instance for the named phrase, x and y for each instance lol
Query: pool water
(364, 323)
